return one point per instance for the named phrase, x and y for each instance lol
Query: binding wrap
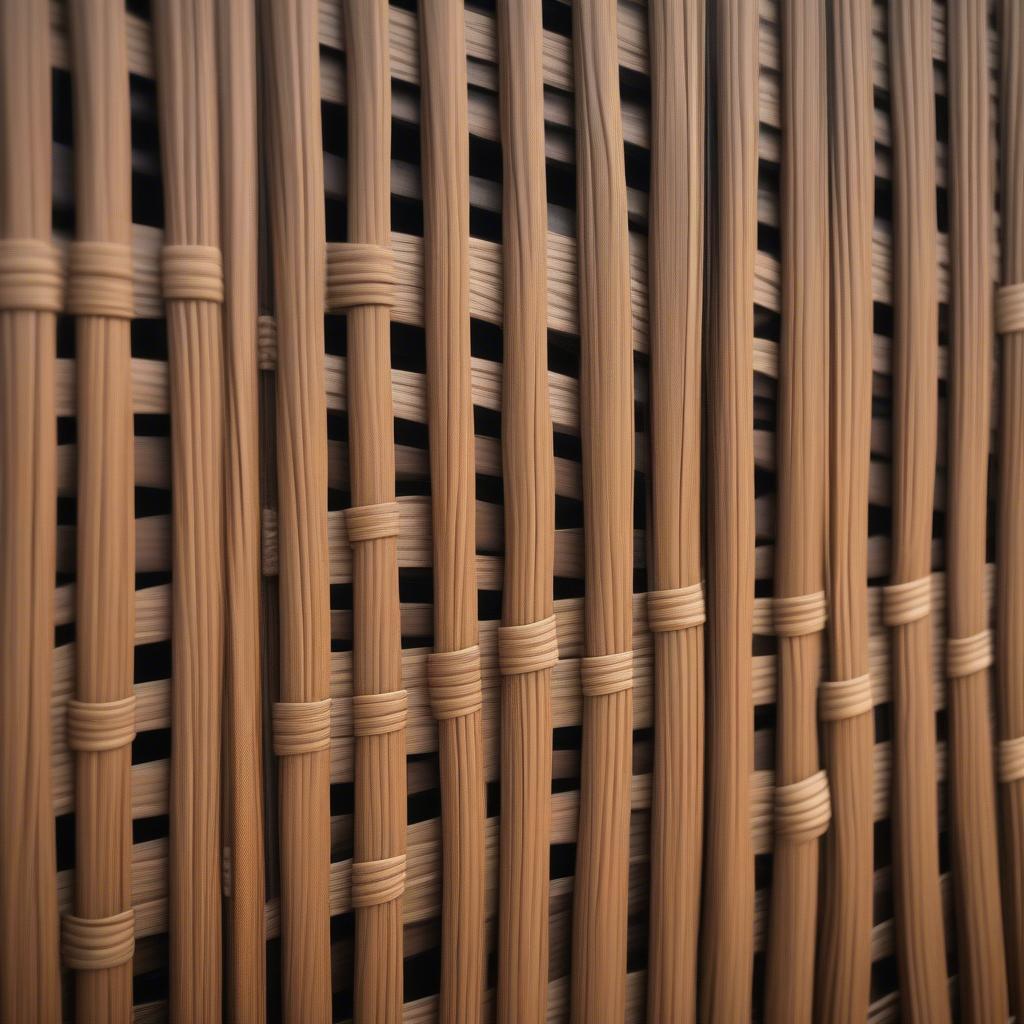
(302, 727)
(1010, 760)
(98, 943)
(454, 682)
(194, 272)
(678, 609)
(969, 654)
(799, 615)
(98, 726)
(1010, 308)
(30, 275)
(372, 522)
(530, 647)
(378, 881)
(100, 279)
(803, 809)
(359, 274)
(375, 714)
(845, 698)
(605, 674)
(903, 603)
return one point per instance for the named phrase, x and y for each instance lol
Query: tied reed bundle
(675, 607)
(454, 666)
(30, 295)
(727, 955)
(1010, 525)
(361, 280)
(845, 706)
(600, 896)
(906, 602)
(980, 952)
(527, 640)
(302, 716)
(101, 718)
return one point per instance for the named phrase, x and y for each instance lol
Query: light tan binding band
(193, 272)
(302, 727)
(526, 648)
(803, 809)
(100, 279)
(266, 343)
(372, 522)
(800, 614)
(100, 726)
(906, 602)
(969, 654)
(1010, 759)
(604, 674)
(98, 943)
(454, 682)
(378, 881)
(30, 275)
(359, 274)
(671, 610)
(845, 698)
(375, 714)
(1010, 308)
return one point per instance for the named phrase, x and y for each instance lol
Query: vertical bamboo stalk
(606, 431)
(193, 288)
(30, 295)
(801, 797)
(907, 600)
(528, 645)
(454, 668)
(969, 649)
(295, 183)
(378, 870)
(1010, 523)
(675, 606)
(236, 50)
(728, 915)
(101, 717)
(845, 704)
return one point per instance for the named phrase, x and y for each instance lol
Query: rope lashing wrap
(98, 943)
(969, 654)
(376, 714)
(803, 809)
(372, 522)
(678, 609)
(301, 727)
(193, 272)
(453, 679)
(31, 278)
(605, 674)
(1010, 308)
(377, 881)
(526, 648)
(97, 726)
(800, 614)
(100, 279)
(845, 698)
(359, 274)
(1010, 759)
(903, 603)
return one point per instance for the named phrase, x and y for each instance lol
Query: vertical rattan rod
(454, 667)
(727, 953)
(969, 649)
(379, 705)
(801, 795)
(30, 295)
(844, 703)
(1010, 524)
(246, 968)
(193, 289)
(301, 718)
(528, 645)
(101, 716)
(924, 994)
(675, 606)
(606, 431)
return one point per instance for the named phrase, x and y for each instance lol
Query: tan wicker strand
(444, 144)
(924, 991)
(29, 937)
(295, 201)
(725, 968)
(1009, 623)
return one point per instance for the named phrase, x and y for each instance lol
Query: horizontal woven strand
(374, 714)
(97, 726)
(96, 944)
(1010, 308)
(302, 727)
(799, 615)
(192, 272)
(670, 610)
(1010, 759)
(529, 647)
(453, 678)
(803, 809)
(30, 275)
(845, 698)
(372, 522)
(377, 881)
(360, 274)
(969, 654)
(100, 279)
(906, 602)
(604, 674)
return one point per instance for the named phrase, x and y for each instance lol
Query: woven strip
(604, 674)
(192, 272)
(803, 809)
(799, 615)
(96, 726)
(302, 728)
(30, 275)
(100, 279)
(374, 714)
(377, 881)
(966, 655)
(906, 602)
(1010, 759)
(671, 610)
(98, 943)
(454, 682)
(266, 343)
(526, 648)
(845, 698)
(1010, 308)
(360, 274)
(372, 522)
